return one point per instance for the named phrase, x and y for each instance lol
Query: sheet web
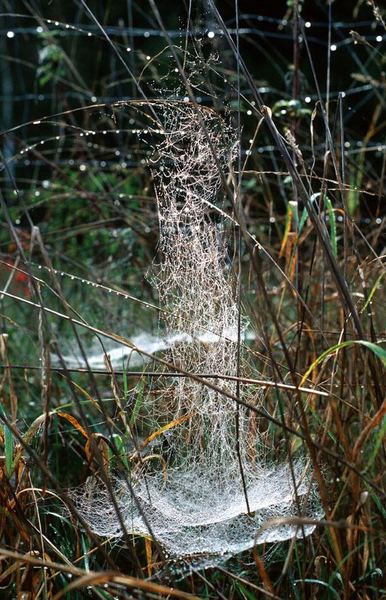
(192, 495)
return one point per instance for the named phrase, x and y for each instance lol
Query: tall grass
(306, 245)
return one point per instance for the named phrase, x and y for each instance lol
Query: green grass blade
(377, 350)
(332, 222)
(138, 402)
(120, 446)
(8, 446)
(377, 443)
(322, 583)
(372, 291)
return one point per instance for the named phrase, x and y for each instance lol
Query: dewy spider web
(189, 484)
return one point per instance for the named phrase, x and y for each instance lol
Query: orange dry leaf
(170, 425)
(73, 422)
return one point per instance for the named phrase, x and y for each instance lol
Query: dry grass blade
(86, 578)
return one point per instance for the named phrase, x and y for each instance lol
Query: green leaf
(120, 446)
(8, 446)
(250, 184)
(353, 196)
(244, 592)
(138, 402)
(86, 550)
(372, 291)
(377, 443)
(332, 221)
(377, 350)
(322, 583)
(303, 219)
(304, 216)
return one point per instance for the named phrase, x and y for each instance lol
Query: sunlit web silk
(189, 485)
(193, 286)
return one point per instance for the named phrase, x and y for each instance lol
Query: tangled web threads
(192, 282)
(192, 495)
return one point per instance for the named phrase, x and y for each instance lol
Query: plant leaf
(377, 350)
(8, 446)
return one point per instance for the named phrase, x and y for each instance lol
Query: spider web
(189, 486)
